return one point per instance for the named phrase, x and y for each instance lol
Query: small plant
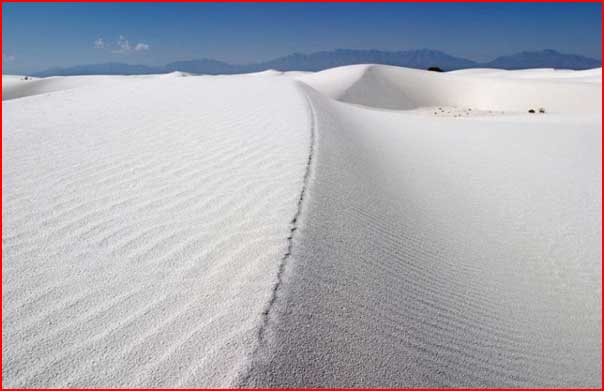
(542, 110)
(435, 69)
(532, 111)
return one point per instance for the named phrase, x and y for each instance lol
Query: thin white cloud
(99, 43)
(141, 46)
(121, 46)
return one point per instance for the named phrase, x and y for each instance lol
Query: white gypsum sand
(144, 224)
(443, 253)
(304, 229)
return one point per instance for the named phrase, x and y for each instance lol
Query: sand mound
(267, 72)
(176, 74)
(13, 88)
(390, 87)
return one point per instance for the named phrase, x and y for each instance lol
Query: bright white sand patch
(559, 75)
(143, 226)
(251, 230)
(14, 87)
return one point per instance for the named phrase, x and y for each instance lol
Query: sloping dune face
(305, 230)
(443, 253)
(14, 87)
(396, 88)
(143, 226)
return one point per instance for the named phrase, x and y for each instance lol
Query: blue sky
(39, 36)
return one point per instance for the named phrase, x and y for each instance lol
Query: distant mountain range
(421, 59)
(544, 59)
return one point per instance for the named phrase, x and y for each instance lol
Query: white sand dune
(439, 253)
(251, 230)
(397, 88)
(17, 87)
(588, 76)
(143, 227)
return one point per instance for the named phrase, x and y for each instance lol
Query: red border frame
(309, 1)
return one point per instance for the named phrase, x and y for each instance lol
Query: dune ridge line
(266, 314)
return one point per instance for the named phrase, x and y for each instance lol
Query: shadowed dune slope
(442, 253)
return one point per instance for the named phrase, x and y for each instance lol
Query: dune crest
(396, 88)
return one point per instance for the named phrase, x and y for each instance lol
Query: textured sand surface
(364, 226)
(143, 226)
(434, 253)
